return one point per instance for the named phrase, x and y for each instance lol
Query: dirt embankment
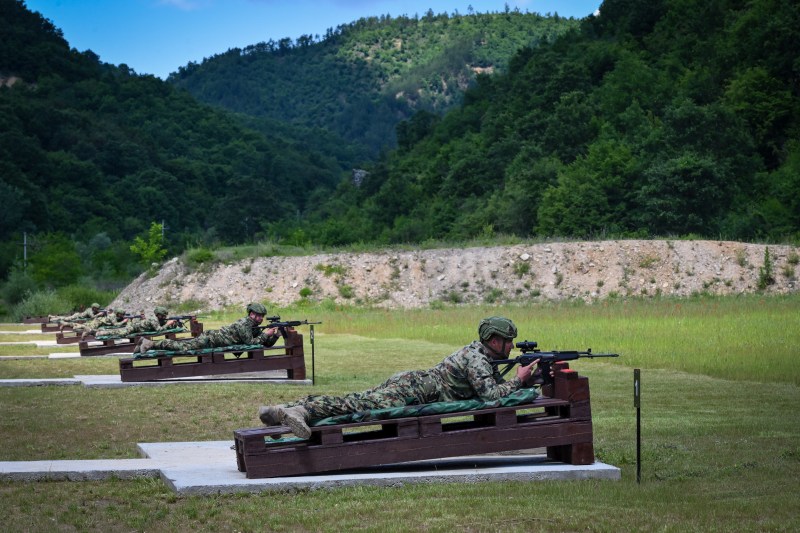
(533, 272)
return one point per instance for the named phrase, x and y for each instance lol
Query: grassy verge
(720, 442)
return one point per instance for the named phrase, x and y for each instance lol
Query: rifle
(283, 325)
(184, 317)
(530, 353)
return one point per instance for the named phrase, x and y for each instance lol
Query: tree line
(655, 118)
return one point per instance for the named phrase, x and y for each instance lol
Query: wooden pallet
(52, 327)
(109, 346)
(221, 362)
(71, 337)
(561, 422)
(127, 345)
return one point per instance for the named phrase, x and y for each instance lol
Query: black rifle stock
(531, 353)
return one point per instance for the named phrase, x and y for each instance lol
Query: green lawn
(720, 391)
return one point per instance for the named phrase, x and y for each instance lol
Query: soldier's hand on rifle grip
(524, 372)
(272, 332)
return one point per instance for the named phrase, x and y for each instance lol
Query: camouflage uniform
(100, 322)
(243, 331)
(465, 374)
(87, 314)
(138, 326)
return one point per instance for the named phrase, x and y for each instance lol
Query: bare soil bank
(532, 272)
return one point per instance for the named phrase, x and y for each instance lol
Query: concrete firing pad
(210, 468)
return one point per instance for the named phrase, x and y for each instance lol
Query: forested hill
(91, 154)
(360, 79)
(659, 117)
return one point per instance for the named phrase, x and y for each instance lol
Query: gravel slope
(531, 272)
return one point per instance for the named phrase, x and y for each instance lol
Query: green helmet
(95, 306)
(257, 308)
(160, 311)
(120, 312)
(496, 325)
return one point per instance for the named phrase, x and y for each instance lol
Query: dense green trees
(362, 78)
(656, 118)
(90, 149)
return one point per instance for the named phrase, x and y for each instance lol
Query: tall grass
(750, 338)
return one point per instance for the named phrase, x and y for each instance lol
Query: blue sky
(158, 36)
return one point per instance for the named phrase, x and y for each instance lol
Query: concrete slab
(191, 468)
(114, 380)
(40, 344)
(38, 382)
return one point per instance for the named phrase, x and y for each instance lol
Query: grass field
(720, 393)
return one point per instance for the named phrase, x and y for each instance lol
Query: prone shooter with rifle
(245, 331)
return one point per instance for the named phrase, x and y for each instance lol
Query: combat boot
(297, 419)
(142, 345)
(271, 415)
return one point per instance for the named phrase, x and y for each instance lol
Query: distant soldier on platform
(87, 314)
(244, 331)
(113, 320)
(148, 325)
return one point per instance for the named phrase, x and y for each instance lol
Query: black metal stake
(637, 390)
(313, 380)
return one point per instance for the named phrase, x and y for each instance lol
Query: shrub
(81, 296)
(18, 287)
(197, 257)
(41, 303)
(765, 277)
(521, 268)
(330, 270)
(346, 291)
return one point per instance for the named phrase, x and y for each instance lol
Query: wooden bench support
(52, 327)
(219, 363)
(562, 424)
(115, 345)
(127, 345)
(71, 337)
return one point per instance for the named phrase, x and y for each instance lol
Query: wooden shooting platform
(53, 327)
(220, 362)
(71, 337)
(128, 344)
(561, 422)
(122, 345)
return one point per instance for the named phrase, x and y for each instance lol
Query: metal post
(312, 355)
(637, 390)
(24, 251)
